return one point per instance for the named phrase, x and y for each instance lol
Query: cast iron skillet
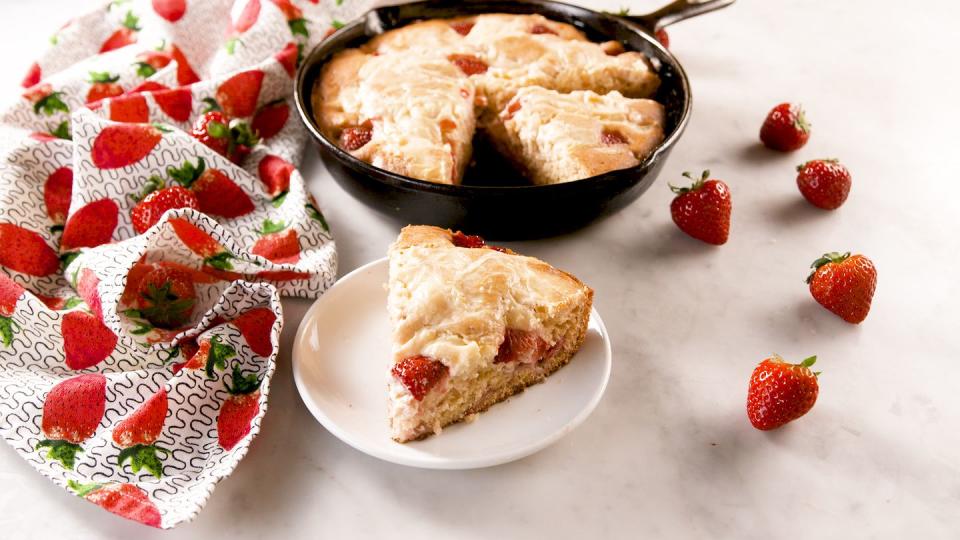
(493, 201)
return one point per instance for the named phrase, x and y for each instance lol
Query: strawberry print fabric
(151, 215)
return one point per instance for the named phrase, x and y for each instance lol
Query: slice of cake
(556, 137)
(472, 326)
(410, 114)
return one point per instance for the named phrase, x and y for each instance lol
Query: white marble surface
(669, 451)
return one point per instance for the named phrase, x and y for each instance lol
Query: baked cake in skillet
(394, 86)
(472, 325)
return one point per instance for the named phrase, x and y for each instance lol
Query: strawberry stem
(218, 356)
(243, 384)
(7, 327)
(63, 451)
(801, 122)
(82, 490)
(827, 258)
(697, 182)
(143, 456)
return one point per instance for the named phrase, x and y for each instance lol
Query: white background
(669, 451)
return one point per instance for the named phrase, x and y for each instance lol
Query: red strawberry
(276, 245)
(288, 58)
(167, 296)
(542, 29)
(87, 287)
(33, 76)
(824, 182)
(354, 138)
(256, 327)
(177, 103)
(294, 16)
(663, 38)
(171, 10)
(216, 193)
(214, 255)
(468, 64)
(248, 16)
(270, 119)
(523, 347)
(419, 374)
(104, 85)
(185, 73)
(239, 409)
(59, 303)
(212, 355)
(844, 284)
(785, 128)
(703, 209)
(125, 500)
(780, 392)
(45, 100)
(10, 293)
(91, 225)
(124, 36)
(148, 212)
(72, 411)
(275, 174)
(129, 108)
(124, 144)
(137, 433)
(26, 252)
(147, 86)
(86, 340)
(148, 62)
(238, 95)
(462, 28)
(212, 129)
(56, 194)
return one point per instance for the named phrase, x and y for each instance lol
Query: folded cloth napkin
(150, 216)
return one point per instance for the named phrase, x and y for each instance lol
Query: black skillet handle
(676, 11)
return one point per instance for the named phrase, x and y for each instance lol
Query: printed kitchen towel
(150, 216)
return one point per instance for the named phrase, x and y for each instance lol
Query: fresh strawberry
(86, 340)
(120, 145)
(824, 182)
(57, 191)
(785, 128)
(137, 433)
(288, 57)
(232, 139)
(256, 327)
(419, 374)
(88, 285)
(171, 10)
(216, 193)
(91, 225)
(663, 38)
(522, 347)
(468, 64)
(104, 85)
(248, 16)
(167, 297)
(125, 500)
(844, 284)
(276, 245)
(126, 35)
(780, 392)
(149, 62)
(177, 103)
(238, 95)
(10, 293)
(26, 252)
(356, 137)
(129, 108)
(185, 73)
(239, 409)
(148, 211)
(72, 411)
(463, 28)
(270, 119)
(33, 76)
(45, 100)
(275, 174)
(703, 209)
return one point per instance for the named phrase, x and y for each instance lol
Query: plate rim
(432, 463)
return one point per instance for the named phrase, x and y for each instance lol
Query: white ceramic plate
(341, 356)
